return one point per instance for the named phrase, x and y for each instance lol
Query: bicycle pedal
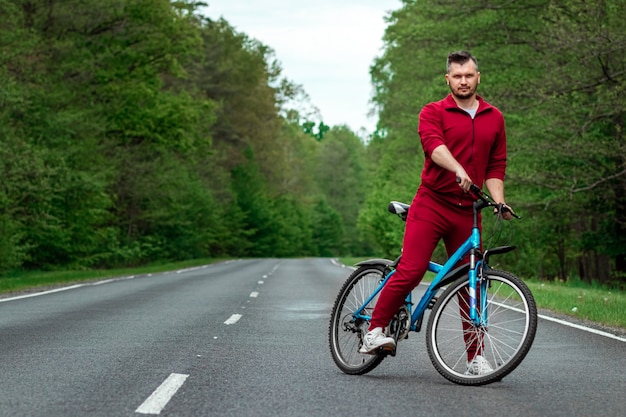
(388, 351)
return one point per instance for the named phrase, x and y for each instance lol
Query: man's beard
(465, 95)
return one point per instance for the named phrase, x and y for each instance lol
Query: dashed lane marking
(157, 401)
(233, 319)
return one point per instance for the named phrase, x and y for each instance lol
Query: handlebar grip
(474, 189)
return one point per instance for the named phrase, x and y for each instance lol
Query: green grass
(575, 299)
(587, 302)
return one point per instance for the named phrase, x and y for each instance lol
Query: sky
(326, 46)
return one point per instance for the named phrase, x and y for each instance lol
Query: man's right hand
(463, 180)
(441, 156)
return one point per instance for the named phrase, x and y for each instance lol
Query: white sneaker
(375, 339)
(478, 366)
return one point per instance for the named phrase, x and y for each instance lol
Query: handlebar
(486, 198)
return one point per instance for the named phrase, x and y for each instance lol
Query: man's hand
(504, 211)
(441, 156)
(463, 180)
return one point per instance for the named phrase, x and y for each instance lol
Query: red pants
(430, 219)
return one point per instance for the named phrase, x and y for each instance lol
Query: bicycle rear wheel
(346, 332)
(458, 349)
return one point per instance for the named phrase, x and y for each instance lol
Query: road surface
(249, 338)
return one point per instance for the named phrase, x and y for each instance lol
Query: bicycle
(474, 308)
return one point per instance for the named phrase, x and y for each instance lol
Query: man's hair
(460, 57)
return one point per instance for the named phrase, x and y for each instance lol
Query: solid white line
(70, 287)
(37, 294)
(233, 319)
(579, 327)
(155, 403)
(193, 268)
(567, 323)
(90, 283)
(254, 294)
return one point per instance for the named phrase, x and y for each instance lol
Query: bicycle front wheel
(476, 354)
(346, 332)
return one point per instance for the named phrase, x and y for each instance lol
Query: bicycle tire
(504, 341)
(344, 333)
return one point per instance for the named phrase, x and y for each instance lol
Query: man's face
(463, 79)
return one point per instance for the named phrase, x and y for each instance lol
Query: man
(463, 137)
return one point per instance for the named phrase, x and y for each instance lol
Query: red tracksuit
(441, 209)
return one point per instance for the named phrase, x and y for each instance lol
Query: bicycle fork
(477, 292)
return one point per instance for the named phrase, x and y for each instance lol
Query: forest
(140, 131)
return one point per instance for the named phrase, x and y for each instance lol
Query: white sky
(326, 46)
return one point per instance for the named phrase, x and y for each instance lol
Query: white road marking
(261, 282)
(37, 294)
(567, 323)
(113, 280)
(233, 319)
(193, 268)
(155, 403)
(254, 294)
(579, 327)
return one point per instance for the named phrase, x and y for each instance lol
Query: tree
(327, 230)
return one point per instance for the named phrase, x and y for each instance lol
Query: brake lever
(502, 208)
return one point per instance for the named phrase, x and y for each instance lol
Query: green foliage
(327, 234)
(258, 222)
(309, 129)
(342, 177)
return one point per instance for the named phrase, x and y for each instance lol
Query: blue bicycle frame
(471, 245)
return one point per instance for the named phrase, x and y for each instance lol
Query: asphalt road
(249, 338)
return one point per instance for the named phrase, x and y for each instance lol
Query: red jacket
(478, 144)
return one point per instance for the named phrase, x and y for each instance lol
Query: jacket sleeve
(497, 159)
(430, 128)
